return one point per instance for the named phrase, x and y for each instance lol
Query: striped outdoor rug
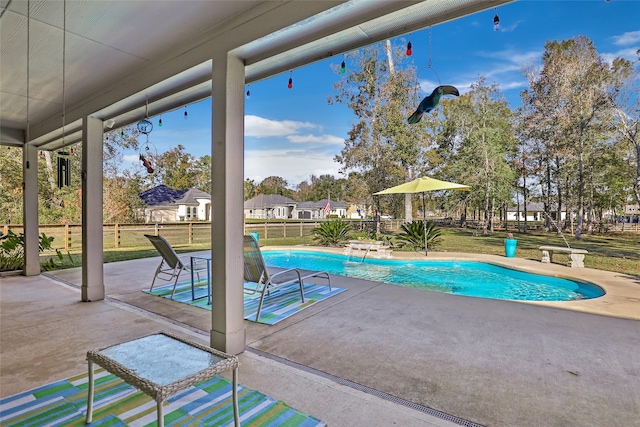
(64, 403)
(278, 305)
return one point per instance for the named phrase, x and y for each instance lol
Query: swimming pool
(468, 278)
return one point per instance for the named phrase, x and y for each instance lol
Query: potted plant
(510, 246)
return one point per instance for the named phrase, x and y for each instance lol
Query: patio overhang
(111, 75)
(70, 70)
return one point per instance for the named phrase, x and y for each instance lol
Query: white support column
(92, 269)
(30, 210)
(227, 313)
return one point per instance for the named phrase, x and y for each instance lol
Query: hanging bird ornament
(431, 102)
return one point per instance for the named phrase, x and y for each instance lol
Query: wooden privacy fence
(69, 236)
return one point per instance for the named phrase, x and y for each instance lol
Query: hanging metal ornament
(147, 152)
(145, 126)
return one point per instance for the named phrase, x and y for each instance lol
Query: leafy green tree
(250, 189)
(174, 168)
(325, 186)
(10, 185)
(381, 90)
(478, 143)
(275, 185)
(570, 111)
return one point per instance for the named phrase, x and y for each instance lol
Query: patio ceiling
(119, 55)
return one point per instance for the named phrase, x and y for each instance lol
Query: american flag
(327, 207)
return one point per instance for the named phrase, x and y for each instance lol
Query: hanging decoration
(409, 47)
(145, 126)
(496, 20)
(343, 67)
(290, 85)
(248, 92)
(160, 122)
(122, 134)
(432, 101)
(147, 151)
(185, 112)
(64, 163)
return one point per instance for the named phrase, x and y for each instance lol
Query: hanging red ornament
(290, 85)
(72, 151)
(409, 50)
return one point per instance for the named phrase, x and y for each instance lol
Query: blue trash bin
(255, 236)
(510, 247)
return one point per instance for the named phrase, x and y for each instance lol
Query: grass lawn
(612, 252)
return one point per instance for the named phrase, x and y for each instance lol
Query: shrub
(12, 252)
(412, 234)
(332, 233)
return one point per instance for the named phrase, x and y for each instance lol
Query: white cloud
(630, 54)
(131, 158)
(625, 39)
(319, 139)
(261, 127)
(294, 166)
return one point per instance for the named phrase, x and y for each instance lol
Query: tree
(275, 185)
(250, 189)
(625, 98)
(174, 168)
(478, 144)
(10, 185)
(381, 145)
(569, 108)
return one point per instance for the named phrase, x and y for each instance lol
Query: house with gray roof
(275, 206)
(270, 206)
(165, 204)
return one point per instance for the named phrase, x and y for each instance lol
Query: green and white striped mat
(64, 403)
(279, 304)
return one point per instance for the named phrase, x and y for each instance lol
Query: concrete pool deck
(491, 362)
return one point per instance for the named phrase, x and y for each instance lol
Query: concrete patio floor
(490, 362)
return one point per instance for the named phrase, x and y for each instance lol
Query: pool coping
(622, 297)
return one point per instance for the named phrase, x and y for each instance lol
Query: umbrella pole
(424, 225)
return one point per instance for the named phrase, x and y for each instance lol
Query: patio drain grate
(369, 390)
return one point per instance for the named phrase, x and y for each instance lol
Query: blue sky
(294, 133)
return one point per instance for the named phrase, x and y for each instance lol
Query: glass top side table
(199, 263)
(161, 365)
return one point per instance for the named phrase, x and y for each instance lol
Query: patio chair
(255, 271)
(171, 265)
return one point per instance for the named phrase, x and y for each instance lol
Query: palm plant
(332, 233)
(413, 233)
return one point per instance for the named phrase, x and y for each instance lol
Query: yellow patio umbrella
(422, 185)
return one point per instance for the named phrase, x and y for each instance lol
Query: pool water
(468, 278)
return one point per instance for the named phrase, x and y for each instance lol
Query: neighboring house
(165, 204)
(270, 206)
(275, 206)
(631, 213)
(337, 207)
(535, 212)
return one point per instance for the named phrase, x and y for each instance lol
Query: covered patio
(72, 70)
(376, 354)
